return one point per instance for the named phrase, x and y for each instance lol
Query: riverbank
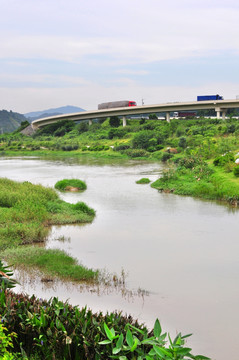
(199, 179)
(148, 247)
(26, 212)
(203, 139)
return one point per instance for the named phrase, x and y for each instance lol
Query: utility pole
(142, 102)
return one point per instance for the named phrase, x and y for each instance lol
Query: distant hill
(51, 112)
(10, 121)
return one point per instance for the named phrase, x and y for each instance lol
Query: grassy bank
(201, 180)
(26, 211)
(51, 262)
(200, 138)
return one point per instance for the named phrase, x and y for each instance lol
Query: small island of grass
(143, 181)
(70, 185)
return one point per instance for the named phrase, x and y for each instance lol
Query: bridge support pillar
(223, 114)
(90, 122)
(168, 116)
(218, 111)
(124, 121)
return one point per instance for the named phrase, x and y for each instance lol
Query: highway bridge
(220, 106)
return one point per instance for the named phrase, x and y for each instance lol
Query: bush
(224, 159)
(166, 156)
(121, 147)
(82, 127)
(189, 162)
(116, 133)
(182, 142)
(134, 153)
(236, 171)
(59, 128)
(142, 139)
(114, 121)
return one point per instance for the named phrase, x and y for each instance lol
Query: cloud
(89, 96)
(108, 49)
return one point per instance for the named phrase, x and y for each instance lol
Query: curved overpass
(218, 105)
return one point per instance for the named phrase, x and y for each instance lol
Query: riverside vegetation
(189, 147)
(26, 211)
(199, 155)
(33, 329)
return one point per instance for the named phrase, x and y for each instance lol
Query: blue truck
(209, 97)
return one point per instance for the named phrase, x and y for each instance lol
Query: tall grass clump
(70, 184)
(51, 262)
(143, 181)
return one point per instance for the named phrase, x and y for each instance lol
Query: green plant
(224, 159)
(6, 342)
(26, 210)
(137, 344)
(67, 184)
(143, 181)
(6, 280)
(114, 121)
(236, 171)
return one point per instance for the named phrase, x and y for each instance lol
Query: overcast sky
(74, 52)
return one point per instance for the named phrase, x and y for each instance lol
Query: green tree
(114, 121)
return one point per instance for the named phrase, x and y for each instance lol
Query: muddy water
(180, 255)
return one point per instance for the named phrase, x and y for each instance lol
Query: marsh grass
(208, 182)
(143, 181)
(26, 210)
(51, 262)
(68, 184)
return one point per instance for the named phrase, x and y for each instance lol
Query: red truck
(116, 104)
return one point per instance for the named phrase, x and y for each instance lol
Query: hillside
(68, 109)
(10, 121)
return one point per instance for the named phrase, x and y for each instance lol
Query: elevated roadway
(220, 106)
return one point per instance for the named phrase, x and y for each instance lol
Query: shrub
(56, 129)
(182, 142)
(116, 133)
(224, 159)
(236, 171)
(114, 121)
(142, 139)
(134, 153)
(82, 127)
(6, 342)
(166, 156)
(189, 162)
(121, 147)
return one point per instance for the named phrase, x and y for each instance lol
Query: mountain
(10, 121)
(50, 112)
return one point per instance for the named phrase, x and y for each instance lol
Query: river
(180, 255)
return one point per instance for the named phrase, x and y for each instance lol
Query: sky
(73, 52)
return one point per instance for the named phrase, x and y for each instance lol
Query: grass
(51, 262)
(143, 181)
(216, 184)
(68, 184)
(26, 211)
